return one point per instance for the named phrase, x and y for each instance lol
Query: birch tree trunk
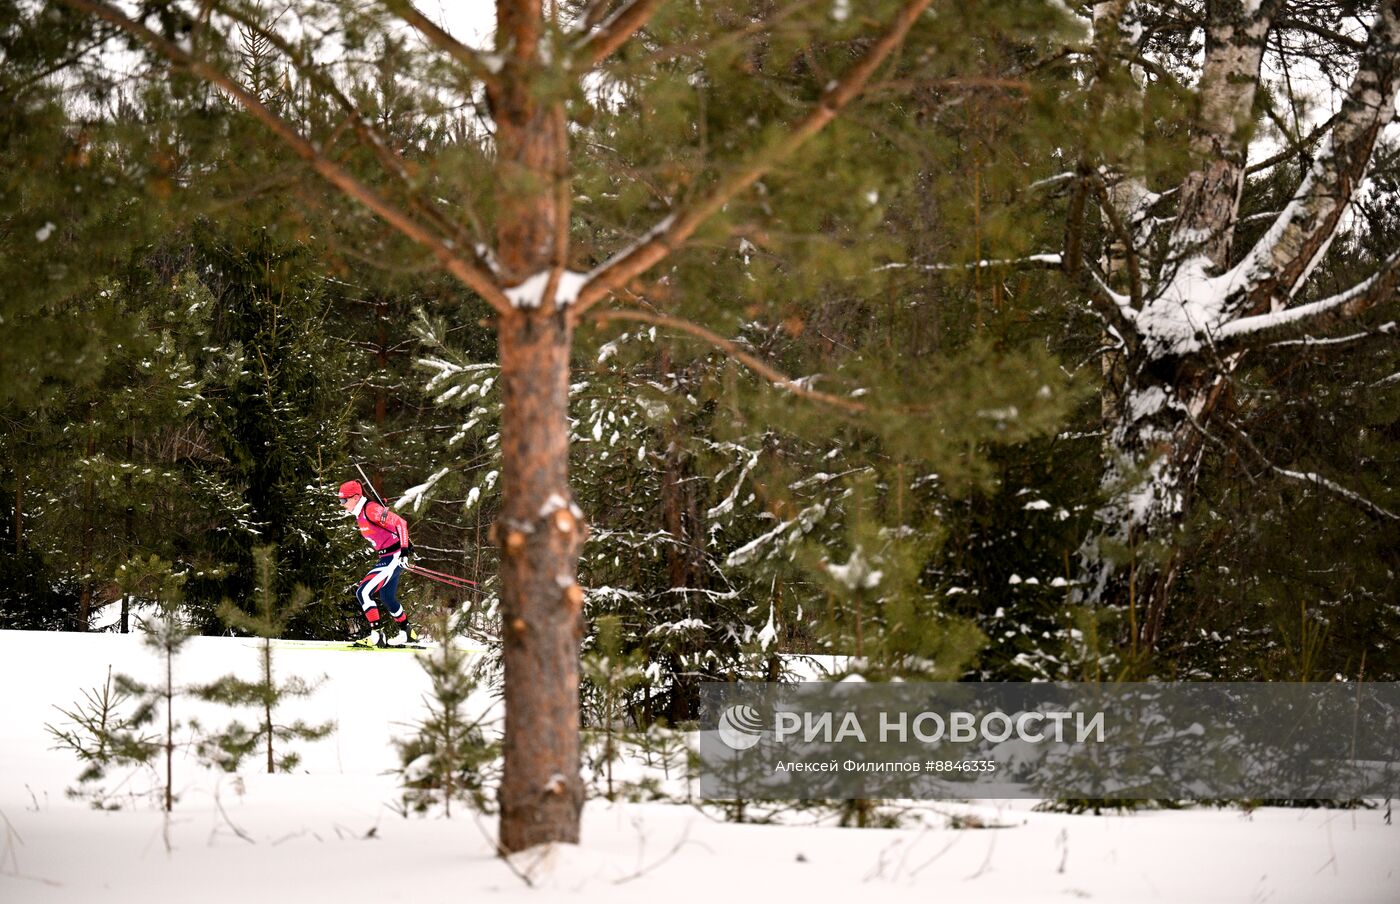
(1186, 332)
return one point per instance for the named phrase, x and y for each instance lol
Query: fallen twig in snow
(642, 871)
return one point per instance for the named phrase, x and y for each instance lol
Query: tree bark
(84, 614)
(540, 532)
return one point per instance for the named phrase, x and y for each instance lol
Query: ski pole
(454, 585)
(449, 580)
(441, 578)
(442, 574)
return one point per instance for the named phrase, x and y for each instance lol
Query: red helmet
(350, 489)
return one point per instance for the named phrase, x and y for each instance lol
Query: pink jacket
(383, 529)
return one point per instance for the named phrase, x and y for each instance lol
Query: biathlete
(387, 532)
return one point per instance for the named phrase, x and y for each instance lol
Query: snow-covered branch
(1283, 258)
(1029, 262)
(1373, 290)
(1338, 490)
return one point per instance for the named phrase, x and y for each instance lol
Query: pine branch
(474, 62)
(466, 271)
(615, 31)
(672, 232)
(731, 348)
(369, 136)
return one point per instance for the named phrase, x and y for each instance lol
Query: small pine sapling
(103, 736)
(449, 757)
(612, 672)
(165, 635)
(229, 747)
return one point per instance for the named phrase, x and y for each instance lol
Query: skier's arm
(389, 521)
(400, 527)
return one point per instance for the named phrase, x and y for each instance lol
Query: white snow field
(328, 833)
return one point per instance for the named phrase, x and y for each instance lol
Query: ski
(333, 645)
(365, 646)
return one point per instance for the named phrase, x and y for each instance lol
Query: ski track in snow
(327, 833)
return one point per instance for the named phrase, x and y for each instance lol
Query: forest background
(865, 410)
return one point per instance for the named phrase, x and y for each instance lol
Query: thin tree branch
(1029, 262)
(1125, 237)
(673, 231)
(600, 43)
(470, 274)
(369, 136)
(1384, 329)
(1315, 479)
(1326, 34)
(731, 348)
(474, 62)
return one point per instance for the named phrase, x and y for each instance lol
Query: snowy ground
(328, 832)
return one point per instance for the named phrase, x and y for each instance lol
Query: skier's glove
(407, 551)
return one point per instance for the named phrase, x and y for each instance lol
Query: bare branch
(469, 273)
(1125, 238)
(1298, 23)
(731, 348)
(600, 43)
(677, 228)
(1029, 262)
(1295, 148)
(1313, 478)
(1337, 489)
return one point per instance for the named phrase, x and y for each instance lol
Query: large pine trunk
(539, 531)
(539, 534)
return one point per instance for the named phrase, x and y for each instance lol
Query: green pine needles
(266, 695)
(449, 757)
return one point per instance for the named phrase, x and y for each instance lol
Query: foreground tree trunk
(540, 532)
